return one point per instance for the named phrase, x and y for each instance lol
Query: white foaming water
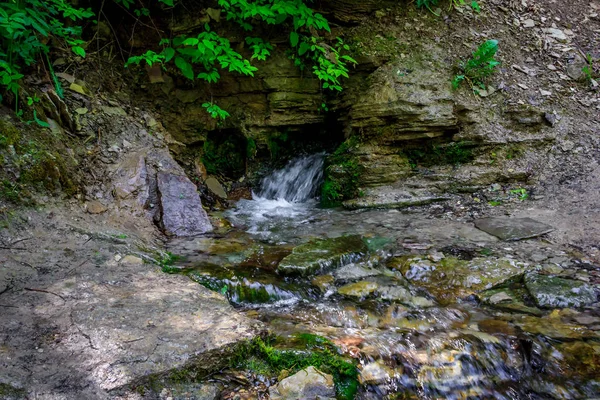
(286, 198)
(298, 182)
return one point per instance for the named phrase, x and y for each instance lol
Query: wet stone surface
(513, 228)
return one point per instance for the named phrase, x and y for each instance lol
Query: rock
(508, 299)
(352, 272)
(554, 292)
(182, 212)
(553, 327)
(375, 373)
(556, 34)
(95, 207)
(512, 228)
(452, 279)
(215, 186)
(308, 384)
(528, 23)
(323, 282)
(358, 290)
(322, 254)
(580, 359)
(130, 260)
(387, 197)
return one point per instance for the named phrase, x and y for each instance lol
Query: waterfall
(285, 201)
(298, 182)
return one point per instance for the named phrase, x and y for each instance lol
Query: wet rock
(310, 383)
(513, 228)
(215, 186)
(375, 373)
(323, 282)
(580, 359)
(494, 326)
(508, 299)
(182, 212)
(553, 327)
(452, 279)
(554, 292)
(352, 272)
(322, 254)
(358, 290)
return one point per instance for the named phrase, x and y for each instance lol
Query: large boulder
(308, 384)
(150, 182)
(182, 212)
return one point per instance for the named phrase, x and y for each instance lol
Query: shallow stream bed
(423, 305)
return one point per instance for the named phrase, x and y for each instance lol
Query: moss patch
(225, 155)
(342, 175)
(454, 153)
(304, 350)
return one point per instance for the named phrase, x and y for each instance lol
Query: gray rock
(554, 292)
(375, 373)
(215, 186)
(182, 212)
(512, 228)
(353, 272)
(308, 384)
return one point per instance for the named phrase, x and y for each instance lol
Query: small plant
(166, 263)
(26, 28)
(215, 111)
(588, 70)
(521, 193)
(479, 67)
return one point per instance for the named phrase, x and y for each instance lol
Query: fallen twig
(45, 291)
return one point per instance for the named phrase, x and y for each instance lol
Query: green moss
(342, 175)
(261, 355)
(9, 191)
(277, 143)
(9, 134)
(10, 392)
(454, 153)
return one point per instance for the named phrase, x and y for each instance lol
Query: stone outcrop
(152, 183)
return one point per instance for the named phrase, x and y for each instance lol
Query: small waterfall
(285, 202)
(298, 182)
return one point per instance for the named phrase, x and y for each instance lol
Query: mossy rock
(554, 292)
(580, 359)
(452, 278)
(323, 254)
(343, 172)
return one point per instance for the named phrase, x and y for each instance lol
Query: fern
(480, 66)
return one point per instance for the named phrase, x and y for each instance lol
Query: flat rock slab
(513, 228)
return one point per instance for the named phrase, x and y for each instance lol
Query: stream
(427, 306)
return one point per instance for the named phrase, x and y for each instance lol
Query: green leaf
(41, 123)
(294, 38)
(185, 67)
(78, 50)
(169, 53)
(167, 2)
(304, 47)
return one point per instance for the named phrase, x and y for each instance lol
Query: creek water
(426, 305)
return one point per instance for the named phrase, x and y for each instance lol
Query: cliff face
(410, 135)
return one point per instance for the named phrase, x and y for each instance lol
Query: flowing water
(427, 306)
